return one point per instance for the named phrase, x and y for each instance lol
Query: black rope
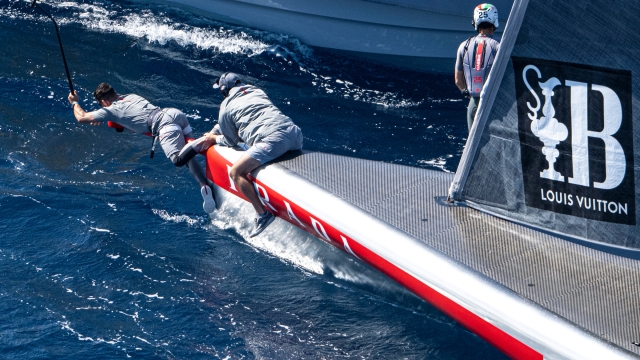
(64, 59)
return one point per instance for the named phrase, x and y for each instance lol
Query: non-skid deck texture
(595, 290)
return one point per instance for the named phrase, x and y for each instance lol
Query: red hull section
(281, 206)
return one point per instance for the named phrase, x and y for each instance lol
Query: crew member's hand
(211, 138)
(73, 96)
(82, 116)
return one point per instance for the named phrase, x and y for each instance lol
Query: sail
(556, 134)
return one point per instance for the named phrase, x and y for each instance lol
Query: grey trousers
(471, 110)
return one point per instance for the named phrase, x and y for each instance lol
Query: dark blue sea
(106, 253)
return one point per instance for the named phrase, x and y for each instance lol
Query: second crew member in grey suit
(247, 115)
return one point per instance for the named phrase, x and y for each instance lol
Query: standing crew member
(475, 57)
(135, 113)
(247, 115)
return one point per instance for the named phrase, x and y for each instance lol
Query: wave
(157, 28)
(217, 38)
(297, 247)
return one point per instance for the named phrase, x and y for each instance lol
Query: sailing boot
(261, 222)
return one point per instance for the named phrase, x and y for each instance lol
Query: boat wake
(293, 246)
(162, 26)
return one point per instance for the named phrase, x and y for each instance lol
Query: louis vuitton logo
(551, 132)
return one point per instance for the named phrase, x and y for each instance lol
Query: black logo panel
(576, 139)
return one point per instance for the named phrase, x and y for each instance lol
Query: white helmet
(485, 13)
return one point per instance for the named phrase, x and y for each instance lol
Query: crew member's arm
(460, 81)
(211, 138)
(212, 135)
(82, 116)
(227, 129)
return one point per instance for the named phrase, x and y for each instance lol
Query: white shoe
(208, 204)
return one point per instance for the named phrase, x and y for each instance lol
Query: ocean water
(105, 253)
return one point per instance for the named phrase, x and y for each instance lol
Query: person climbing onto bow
(170, 126)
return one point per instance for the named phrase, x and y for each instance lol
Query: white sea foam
(296, 246)
(134, 316)
(134, 293)
(66, 325)
(164, 215)
(279, 239)
(228, 39)
(439, 162)
(30, 198)
(162, 30)
(143, 340)
(346, 89)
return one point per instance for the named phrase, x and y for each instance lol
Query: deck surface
(595, 290)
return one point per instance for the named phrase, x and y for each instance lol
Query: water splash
(297, 247)
(162, 30)
(219, 39)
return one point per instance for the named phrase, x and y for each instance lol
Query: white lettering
(346, 247)
(587, 205)
(550, 195)
(615, 163)
(584, 202)
(319, 229)
(232, 185)
(621, 209)
(263, 196)
(579, 137)
(293, 216)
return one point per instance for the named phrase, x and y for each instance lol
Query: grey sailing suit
(475, 58)
(170, 125)
(133, 111)
(247, 115)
